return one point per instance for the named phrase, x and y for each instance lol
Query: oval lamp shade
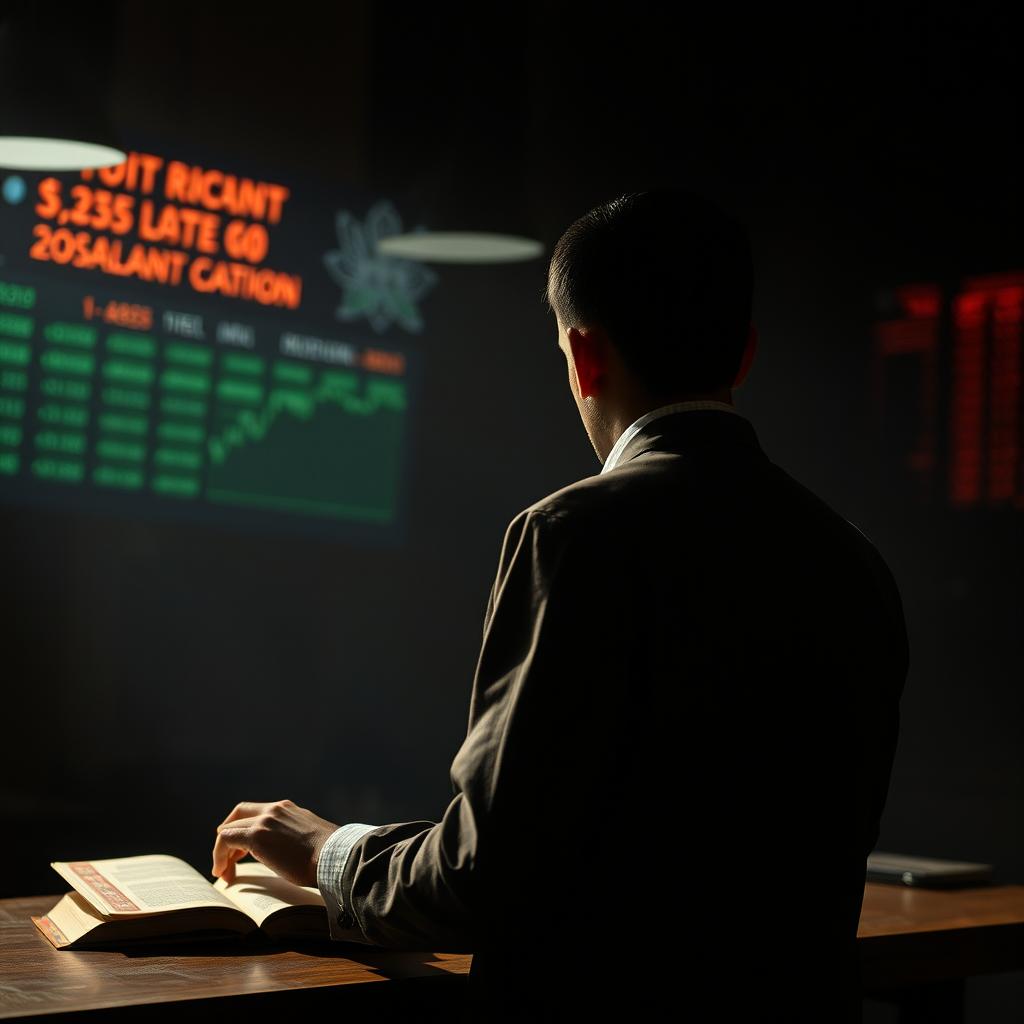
(53, 89)
(458, 208)
(460, 247)
(31, 153)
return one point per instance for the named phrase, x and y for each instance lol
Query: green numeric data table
(196, 411)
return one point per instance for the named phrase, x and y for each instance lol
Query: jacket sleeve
(879, 706)
(436, 886)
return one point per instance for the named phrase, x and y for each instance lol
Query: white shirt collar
(630, 432)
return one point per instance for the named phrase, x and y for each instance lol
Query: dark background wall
(160, 672)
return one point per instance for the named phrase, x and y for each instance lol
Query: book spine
(51, 931)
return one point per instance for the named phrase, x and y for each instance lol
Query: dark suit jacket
(681, 731)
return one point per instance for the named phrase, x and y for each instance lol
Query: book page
(131, 886)
(259, 892)
(72, 918)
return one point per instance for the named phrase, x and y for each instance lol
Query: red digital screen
(963, 353)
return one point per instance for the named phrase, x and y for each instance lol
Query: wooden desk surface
(36, 979)
(911, 936)
(907, 936)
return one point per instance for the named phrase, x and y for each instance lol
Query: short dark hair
(669, 275)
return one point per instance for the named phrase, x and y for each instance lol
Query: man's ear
(748, 356)
(588, 356)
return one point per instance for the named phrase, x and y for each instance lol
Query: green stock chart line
(325, 448)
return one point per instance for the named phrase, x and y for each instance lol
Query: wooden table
(39, 982)
(917, 948)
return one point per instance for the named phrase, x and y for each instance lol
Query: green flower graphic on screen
(384, 289)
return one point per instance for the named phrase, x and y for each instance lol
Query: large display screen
(182, 340)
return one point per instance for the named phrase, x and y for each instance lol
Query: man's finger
(225, 867)
(228, 871)
(246, 809)
(238, 835)
(225, 860)
(224, 854)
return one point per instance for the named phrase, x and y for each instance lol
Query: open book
(157, 897)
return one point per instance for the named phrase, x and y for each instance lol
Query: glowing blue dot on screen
(15, 189)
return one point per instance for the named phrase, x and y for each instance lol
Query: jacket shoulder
(591, 500)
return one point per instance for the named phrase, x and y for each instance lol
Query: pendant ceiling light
(54, 69)
(464, 211)
(460, 247)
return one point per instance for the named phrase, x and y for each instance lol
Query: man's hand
(282, 835)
